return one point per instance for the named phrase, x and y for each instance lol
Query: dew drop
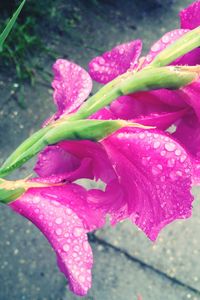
(86, 246)
(183, 158)
(178, 152)
(163, 153)
(156, 144)
(66, 247)
(77, 231)
(59, 221)
(171, 162)
(36, 200)
(141, 136)
(165, 39)
(170, 146)
(59, 231)
(155, 47)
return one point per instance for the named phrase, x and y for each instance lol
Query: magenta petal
(161, 120)
(72, 85)
(154, 173)
(64, 230)
(65, 165)
(190, 16)
(191, 58)
(101, 167)
(163, 43)
(115, 62)
(103, 114)
(192, 92)
(145, 103)
(188, 134)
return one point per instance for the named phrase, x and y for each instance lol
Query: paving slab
(176, 251)
(28, 270)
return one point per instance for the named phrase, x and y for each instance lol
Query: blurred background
(127, 265)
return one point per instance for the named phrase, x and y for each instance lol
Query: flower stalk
(73, 126)
(183, 45)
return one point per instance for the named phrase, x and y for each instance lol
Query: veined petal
(115, 62)
(154, 178)
(101, 166)
(103, 114)
(55, 162)
(161, 120)
(72, 85)
(190, 16)
(64, 230)
(192, 92)
(188, 134)
(145, 103)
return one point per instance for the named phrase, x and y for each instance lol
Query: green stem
(131, 82)
(73, 130)
(25, 146)
(183, 45)
(149, 78)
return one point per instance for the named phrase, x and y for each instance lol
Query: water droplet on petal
(77, 231)
(59, 231)
(59, 221)
(178, 152)
(66, 247)
(36, 199)
(170, 146)
(155, 47)
(156, 144)
(183, 158)
(141, 136)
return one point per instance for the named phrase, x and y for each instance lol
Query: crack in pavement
(93, 238)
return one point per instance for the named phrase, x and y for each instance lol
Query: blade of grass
(10, 25)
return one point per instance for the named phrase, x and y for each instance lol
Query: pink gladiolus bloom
(158, 190)
(161, 107)
(64, 216)
(147, 174)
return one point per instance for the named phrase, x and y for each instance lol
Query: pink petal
(64, 230)
(191, 58)
(164, 42)
(161, 120)
(145, 103)
(54, 162)
(188, 134)
(115, 62)
(154, 174)
(72, 85)
(103, 114)
(192, 92)
(101, 167)
(190, 16)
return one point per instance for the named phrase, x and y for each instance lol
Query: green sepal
(7, 196)
(173, 77)
(61, 130)
(183, 45)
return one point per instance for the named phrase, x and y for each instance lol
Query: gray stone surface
(175, 253)
(126, 263)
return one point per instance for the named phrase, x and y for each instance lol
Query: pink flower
(161, 108)
(64, 216)
(147, 173)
